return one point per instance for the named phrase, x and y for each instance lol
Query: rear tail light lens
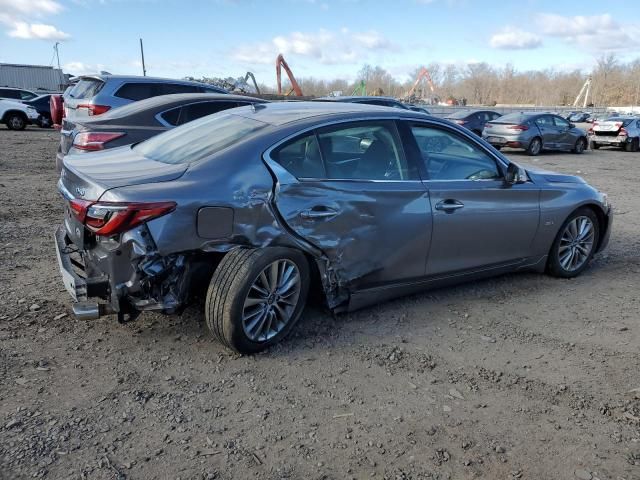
(112, 218)
(520, 128)
(107, 218)
(460, 122)
(623, 132)
(94, 109)
(93, 141)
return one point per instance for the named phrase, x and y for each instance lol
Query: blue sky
(321, 38)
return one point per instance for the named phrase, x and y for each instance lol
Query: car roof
(353, 98)
(280, 113)
(138, 78)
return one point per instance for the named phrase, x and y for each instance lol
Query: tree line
(614, 83)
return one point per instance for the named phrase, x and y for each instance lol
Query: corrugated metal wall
(32, 77)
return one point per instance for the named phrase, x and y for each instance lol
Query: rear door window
(561, 122)
(9, 94)
(86, 88)
(169, 88)
(139, 91)
(301, 157)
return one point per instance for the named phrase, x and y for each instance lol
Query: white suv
(16, 115)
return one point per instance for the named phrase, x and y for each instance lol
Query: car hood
(551, 177)
(14, 104)
(95, 173)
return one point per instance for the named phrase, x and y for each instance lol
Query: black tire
(16, 121)
(631, 146)
(580, 146)
(535, 147)
(593, 145)
(230, 285)
(554, 267)
(44, 121)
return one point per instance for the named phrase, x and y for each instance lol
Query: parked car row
(258, 205)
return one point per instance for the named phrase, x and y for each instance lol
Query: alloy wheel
(576, 243)
(271, 300)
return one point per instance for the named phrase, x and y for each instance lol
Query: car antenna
(257, 106)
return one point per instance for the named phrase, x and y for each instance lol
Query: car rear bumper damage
(123, 277)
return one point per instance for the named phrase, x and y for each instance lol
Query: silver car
(97, 94)
(535, 132)
(260, 205)
(616, 131)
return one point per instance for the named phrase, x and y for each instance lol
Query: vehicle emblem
(80, 191)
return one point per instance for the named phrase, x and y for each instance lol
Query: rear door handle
(318, 212)
(449, 205)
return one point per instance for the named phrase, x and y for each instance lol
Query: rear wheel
(593, 145)
(16, 121)
(580, 145)
(575, 244)
(535, 147)
(256, 296)
(631, 146)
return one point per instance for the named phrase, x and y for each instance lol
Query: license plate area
(496, 140)
(75, 230)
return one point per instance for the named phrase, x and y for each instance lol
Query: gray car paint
(386, 241)
(553, 137)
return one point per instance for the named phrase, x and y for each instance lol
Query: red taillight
(79, 208)
(94, 109)
(460, 122)
(110, 218)
(520, 128)
(623, 132)
(590, 131)
(92, 141)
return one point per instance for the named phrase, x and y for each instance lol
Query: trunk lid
(502, 128)
(608, 127)
(90, 176)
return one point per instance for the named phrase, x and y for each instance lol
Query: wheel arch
(9, 112)
(603, 220)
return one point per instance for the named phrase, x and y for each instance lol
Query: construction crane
(250, 75)
(586, 89)
(423, 74)
(280, 64)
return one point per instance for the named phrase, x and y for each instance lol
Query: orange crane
(422, 74)
(281, 63)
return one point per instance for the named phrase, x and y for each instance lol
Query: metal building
(32, 77)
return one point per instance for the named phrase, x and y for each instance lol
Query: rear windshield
(199, 139)
(460, 114)
(86, 88)
(512, 118)
(625, 121)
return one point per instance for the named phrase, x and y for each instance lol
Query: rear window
(86, 88)
(461, 114)
(199, 139)
(625, 121)
(513, 118)
(140, 91)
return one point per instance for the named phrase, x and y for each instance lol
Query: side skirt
(379, 294)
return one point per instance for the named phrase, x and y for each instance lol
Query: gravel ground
(520, 377)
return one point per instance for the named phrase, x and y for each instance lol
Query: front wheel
(256, 296)
(15, 121)
(580, 145)
(535, 147)
(575, 244)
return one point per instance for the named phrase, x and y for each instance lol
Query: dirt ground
(520, 377)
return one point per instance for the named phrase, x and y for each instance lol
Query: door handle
(318, 212)
(449, 205)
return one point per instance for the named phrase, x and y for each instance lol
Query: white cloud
(594, 33)
(28, 31)
(18, 16)
(324, 46)
(80, 68)
(515, 39)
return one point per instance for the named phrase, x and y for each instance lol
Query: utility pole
(144, 70)
(55, 47)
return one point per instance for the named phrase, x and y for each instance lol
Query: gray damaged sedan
(535, 132)
(259, 206)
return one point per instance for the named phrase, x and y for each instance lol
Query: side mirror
(514, 174)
